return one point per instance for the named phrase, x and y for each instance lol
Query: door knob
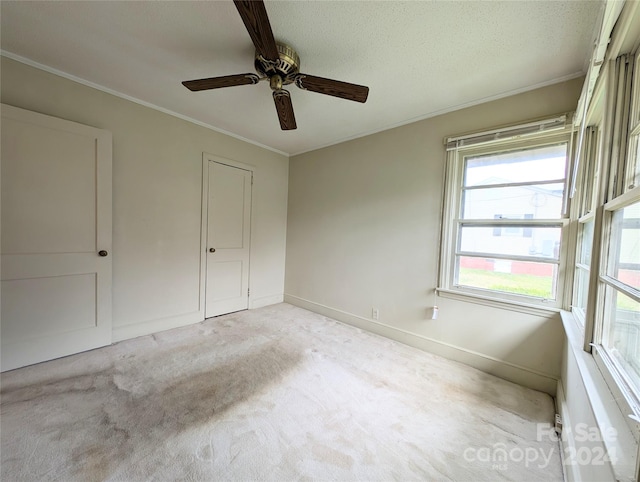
(103, 253)
(212, 250)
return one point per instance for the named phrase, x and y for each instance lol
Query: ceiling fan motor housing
(287, 66)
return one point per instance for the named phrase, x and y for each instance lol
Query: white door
(228, 236)
(56, 238)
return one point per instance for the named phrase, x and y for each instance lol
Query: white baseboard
(127, 332)
(265, 301)
(567, 444)
(509, 371)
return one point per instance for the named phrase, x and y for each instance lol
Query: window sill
(497, 302)
(602, 403)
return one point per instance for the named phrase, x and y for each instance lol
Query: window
(620, 337)
(607, 210)
(605, 224)
(584, 210)
(505, 217)
(583, 268)
(632, 175)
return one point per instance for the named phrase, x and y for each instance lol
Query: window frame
(584, 209)
(627, 397)
(610, 394)
(632, 166)
(579, 312)
(453, 223)
(611, 193)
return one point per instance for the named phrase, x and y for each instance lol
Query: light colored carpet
(277, 393)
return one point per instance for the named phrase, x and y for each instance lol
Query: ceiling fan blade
(282, 99)
(219, 82)
(344, 90)
(254, 16)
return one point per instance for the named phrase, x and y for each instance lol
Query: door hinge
(248, 291)
(252, 179)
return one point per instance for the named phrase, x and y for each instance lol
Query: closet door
(228, 239)
(56, 238)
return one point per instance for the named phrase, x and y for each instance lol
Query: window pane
(636, 166)
(511, 240)
(586, 242)
(541, 201)
(582, 292)
(633, 164)
(621, 336)
(525, 165)
(624, 247)
(518, 277)
(589, 170)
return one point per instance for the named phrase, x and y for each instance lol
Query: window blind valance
(506, 133)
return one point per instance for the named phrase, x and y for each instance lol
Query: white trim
(511, 128)
(512, 184)
(229, 162)
(204, 193)
(506, 133)
(567, 444)
(623, 200)
(149, 327)
(46, 68)
(265, 301)
(452, 226)
(448, 110)
(509, 257)
(204, 220)
(126, 332)
(602, 403)
(501, 303)
(93, 85)
(609, 14)
(624, 36)
(619, 385)
(590, 216)
(503, 369)
(536, 223)
(626, 290)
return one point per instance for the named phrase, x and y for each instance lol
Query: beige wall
(362, 228)
(157, 182)
(362, 232)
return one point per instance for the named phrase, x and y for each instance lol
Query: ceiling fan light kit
(286, 66)
(280, 64)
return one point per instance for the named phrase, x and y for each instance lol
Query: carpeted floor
(278, 393)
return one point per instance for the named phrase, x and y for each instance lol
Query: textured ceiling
(418, 58)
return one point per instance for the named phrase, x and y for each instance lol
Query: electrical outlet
(375, 313)
(558, 424)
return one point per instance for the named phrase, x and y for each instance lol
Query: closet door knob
(103, 253)
(212, 250)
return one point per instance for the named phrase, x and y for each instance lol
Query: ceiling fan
(278, 63)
